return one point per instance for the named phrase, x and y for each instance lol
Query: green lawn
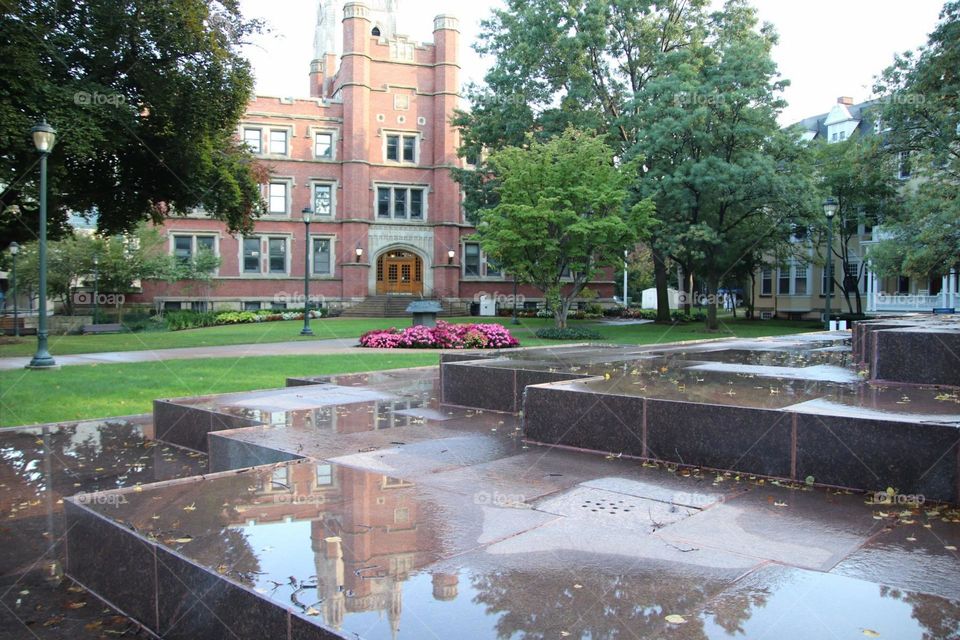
(98, 391)
(352, 327)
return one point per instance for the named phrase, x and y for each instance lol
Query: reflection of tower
(328, 559)
(445, 586)
(396, 607)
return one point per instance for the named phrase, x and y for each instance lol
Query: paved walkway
(299, 348)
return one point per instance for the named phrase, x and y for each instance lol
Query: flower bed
(442, 336)
(179, 320)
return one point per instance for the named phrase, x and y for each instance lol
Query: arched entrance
(399, 271)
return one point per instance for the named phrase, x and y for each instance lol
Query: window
(799, 279)
(251, 306)
(251, 255)
(278, 142)
(375, 32)
(783, 281)
(253, 138)
(401, 203)
(903, 165)
(280, 478)
(183, 248)
(186, 247)
(401, 148)
(766, 281)
(278, 255)
(903, 284)
(471, 259)
(277, 198)
(323, 199)
(493, 269)
(323, 145)
(843, 135)
(321, 256)
(324, 475)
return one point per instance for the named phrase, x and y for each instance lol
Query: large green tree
(921, 118)
(145, 96)
(861, 176)
(559, 63)
(561, 216)
(728, 182)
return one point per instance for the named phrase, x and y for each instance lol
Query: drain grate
(611, 507)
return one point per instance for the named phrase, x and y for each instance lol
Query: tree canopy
(921, 118)
(145, 96)
(561, 215)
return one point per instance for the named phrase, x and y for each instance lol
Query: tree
(561, 216)
(727, 181)
(145, 95)
(922, 124)
(860, 175)
(569, 62)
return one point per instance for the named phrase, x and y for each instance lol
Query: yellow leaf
(870, 633)
(312, 612)
(191, 507)
(675, 619)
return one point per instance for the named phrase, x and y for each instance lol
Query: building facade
(798, 288)
(370, 153)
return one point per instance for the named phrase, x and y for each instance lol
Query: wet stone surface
(407, 518)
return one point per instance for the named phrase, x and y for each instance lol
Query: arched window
(376, 31)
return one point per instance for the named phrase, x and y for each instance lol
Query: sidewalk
(300, 348)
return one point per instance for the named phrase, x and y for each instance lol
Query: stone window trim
(401, 136)
(265, 129)
(334, 188)
(484, 270)
(333, 256)
(335, 139)
(289, 183)
(393, 186)
(194, 234)
(264, 255)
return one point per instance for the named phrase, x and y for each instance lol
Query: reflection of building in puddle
(366, 536)
(342, 419)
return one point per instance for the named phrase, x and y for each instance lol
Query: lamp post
(307, 217)
(515, 320)
(14, 250)
(96, 288)
(829, 209)
(44, 137)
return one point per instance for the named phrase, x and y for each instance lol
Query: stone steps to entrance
(395, 306)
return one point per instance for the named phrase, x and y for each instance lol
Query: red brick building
(370, 152)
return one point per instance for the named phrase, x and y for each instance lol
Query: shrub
(570, 333)
(442, 336)
(179, 320)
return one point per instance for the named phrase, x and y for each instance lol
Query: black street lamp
(307, 217)
(44, 137)
(829, 210)
(515, 320)
(14, 250)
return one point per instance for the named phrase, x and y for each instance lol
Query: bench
(115, 327)
(943, 310)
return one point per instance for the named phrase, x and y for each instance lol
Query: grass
(352, 328)
(100, 391)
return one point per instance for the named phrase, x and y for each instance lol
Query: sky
(827, 49)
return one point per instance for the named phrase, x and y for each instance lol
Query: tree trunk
(560, 314)
(712, 286)
(661, 282)
(749, 299)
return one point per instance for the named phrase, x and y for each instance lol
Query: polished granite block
(876, 454)
(194, 602)
(467, 385)
(720, 437)
(917, 356)
(302, 628)
(555, 415)
(118, 565)
(227, 454)
(188, 427)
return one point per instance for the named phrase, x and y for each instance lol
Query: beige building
(797, 289)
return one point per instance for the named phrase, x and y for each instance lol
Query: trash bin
(474, 308)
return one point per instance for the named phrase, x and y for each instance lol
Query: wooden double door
(399, 272)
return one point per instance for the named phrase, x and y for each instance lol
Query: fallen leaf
(870, 633)
(675, 619)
